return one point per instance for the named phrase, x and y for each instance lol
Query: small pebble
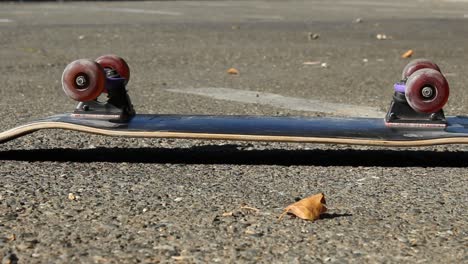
(381, 36)
(71, 197)
(313, 36)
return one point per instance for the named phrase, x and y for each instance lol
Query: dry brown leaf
(309, 208)
(233, 71)
(407, 54)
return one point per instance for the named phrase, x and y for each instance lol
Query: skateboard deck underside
(355, 131)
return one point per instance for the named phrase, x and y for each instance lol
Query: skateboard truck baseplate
(117, 108)
(401, 114)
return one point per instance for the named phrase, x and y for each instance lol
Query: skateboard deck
(352, 131)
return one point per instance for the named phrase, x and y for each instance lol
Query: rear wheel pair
(84, 80)
(427, 90)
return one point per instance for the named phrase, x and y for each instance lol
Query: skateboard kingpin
(415, 117)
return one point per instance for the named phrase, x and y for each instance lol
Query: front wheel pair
(84, 80)
(426, 89)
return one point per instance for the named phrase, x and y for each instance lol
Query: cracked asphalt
(67, 197)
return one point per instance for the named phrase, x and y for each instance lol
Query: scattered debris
(233, 71)
(311, 62)
(309, 208)
(181, 258)
(445, 74)
(313, 36)
(407, 54)
(358, 20)
(10, 258)
(381, 37)
(226, 214)
(252, 232)
(71, 197)
(11, 237)
(249, 208)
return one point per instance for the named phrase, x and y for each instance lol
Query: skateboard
(415, 116)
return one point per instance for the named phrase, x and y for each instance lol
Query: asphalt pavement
(68, 197)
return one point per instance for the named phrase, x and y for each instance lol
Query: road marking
(137, 11)
(261, 17)
(284, 102)
(113, 9)
(5, 20)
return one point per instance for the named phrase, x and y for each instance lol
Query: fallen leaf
(233, 71)
(309, 208)
(407, 54)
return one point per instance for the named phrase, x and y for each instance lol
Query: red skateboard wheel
(427, 90)
(418, 64)
(83, 80)
(116, 63)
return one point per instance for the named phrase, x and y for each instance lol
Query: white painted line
(113, 9)
(276, 100)
(137, 11)
(5, 20)
(261, 17)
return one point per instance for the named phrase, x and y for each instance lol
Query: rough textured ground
(147, 201)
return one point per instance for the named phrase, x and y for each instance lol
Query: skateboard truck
(401, 114)
(118, 106)
(85, 80)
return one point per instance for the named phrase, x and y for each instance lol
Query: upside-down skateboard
(415, 117)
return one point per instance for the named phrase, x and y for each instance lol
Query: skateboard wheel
(427, 90)
(418, 64)
(83, 80)
(115, 63)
